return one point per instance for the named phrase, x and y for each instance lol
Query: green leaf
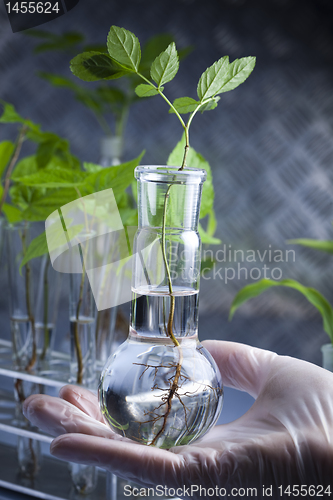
(65, 41)
(211, 104)
(239, 71)
(55, 177)
(165, 66)
(92, 168)
(145, 90)
(124, 47)
(322, 245)
(154, 46)
(24, 167)
(38, 208)
(207, 238)
(118, 178)
(184, 105)
(312, 295)
(211, 80)
(94, 66)
(37, 248)
(6, 151)
(111, 95)
(10, 115)
(57, 80)
(195, 160)
(13, 214)
(86, 96)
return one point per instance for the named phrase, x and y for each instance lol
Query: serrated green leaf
(94, 66)
(322, 245)
(145, 90)
(211, 79)
(239, 71)
(211, 104)
(165, 66)
(6, 151)
(184, 105)
(312, 295)
(124, 47)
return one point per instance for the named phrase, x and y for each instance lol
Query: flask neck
(111, 148)
(169, 197)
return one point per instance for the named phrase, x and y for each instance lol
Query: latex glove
(286, 437)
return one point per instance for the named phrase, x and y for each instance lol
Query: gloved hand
(285, 439)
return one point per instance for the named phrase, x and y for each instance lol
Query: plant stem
(31, 318)
(45, 312)
(172, 297)
(12, 165)
(79, 377)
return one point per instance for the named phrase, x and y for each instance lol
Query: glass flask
(161, 387)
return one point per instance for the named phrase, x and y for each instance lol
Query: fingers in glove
(56, 416)
(83, 399)
(129, 460)
(242, 367)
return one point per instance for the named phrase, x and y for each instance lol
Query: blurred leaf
(124, 47)
(195, 160)
(312, 295)
(153, 48)
(40, 208)
(13, 214)
(10, 115)
(94, 66)
(7, 149)
(207, 238)
(26, 166)
(111, 95)
(322, 245)
(165, 66)
(52, 41)
(118, 178)
(37, 248)
(92, 168)
(55, 177)
(88, 97)
(95, 47)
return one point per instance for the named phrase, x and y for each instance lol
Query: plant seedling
(123, 59)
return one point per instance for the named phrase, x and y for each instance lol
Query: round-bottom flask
(158, 394)
(161, 387)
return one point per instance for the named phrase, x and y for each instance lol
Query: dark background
(269, 143)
